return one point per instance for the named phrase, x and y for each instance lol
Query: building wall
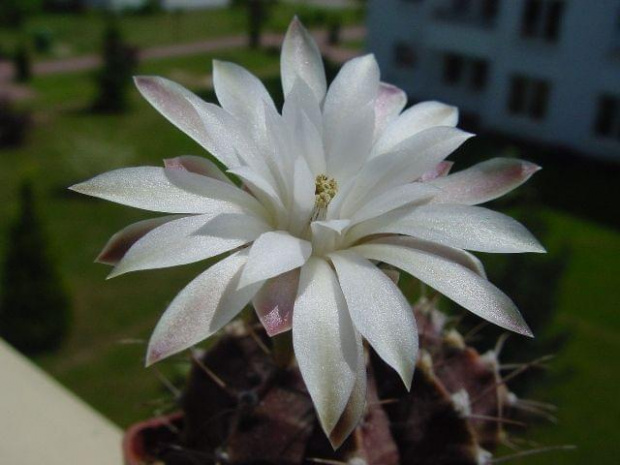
(580, 67)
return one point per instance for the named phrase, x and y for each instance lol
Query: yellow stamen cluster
(324, 191)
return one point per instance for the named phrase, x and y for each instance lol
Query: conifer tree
(34, 308)
(22, 64)
(114, 79)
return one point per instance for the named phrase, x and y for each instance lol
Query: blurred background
(535, 79)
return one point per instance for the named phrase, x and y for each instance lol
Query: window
(528, 97)
(542, 19)
(479, 73)
(482, 12)
(616, 36)
(490, 8)
(607, 123)
(462, 71)
(404, 55)
(452, 68)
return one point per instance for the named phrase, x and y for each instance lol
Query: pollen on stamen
(325, 190)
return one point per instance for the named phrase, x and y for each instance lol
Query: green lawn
(81, 34)
(586, 372)
(68, 145)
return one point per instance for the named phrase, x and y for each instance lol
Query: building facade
(542, 70)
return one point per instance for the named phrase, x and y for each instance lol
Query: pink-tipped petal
(188, 240)
(275, 301)
(484, 182)
(441, 170)
(197, 165)
(118, 245)
(204, 122)
(389, 103)
(202, 308)
(453, 280)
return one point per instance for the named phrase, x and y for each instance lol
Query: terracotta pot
(142, 439)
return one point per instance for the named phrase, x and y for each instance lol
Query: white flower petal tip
(301, 58)
(356, 406)
(529, 168)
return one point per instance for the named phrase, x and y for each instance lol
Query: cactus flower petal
(118, 245)
(379, 312)
(301, 58)
(198, 165)
(274, 253)
(460, 284)
(442, 169)
(389, 103)
(461, 226)
(414, 120)
(325, 341)
(188, 240)
(275, 301)
(356, 406)
(484, 182)
(203, 307)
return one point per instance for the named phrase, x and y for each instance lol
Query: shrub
(119, 63)
(34, 310)
(13, 125)
(22, 64)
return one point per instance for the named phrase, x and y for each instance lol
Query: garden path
(89, 62)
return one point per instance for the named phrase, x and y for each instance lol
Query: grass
(81, 34)
(585, 370)
(68, 145)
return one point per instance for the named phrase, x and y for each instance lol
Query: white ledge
(43, 423)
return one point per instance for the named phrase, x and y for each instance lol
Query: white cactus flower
(339, 181)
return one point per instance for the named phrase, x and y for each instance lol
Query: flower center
(324, 191)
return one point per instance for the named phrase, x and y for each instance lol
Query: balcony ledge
(42, 422)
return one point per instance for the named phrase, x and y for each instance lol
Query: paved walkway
(90, 62)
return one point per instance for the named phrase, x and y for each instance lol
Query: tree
(34, 309)
(14, 125)
(258, 13)
(22, 64)
(119, 63)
